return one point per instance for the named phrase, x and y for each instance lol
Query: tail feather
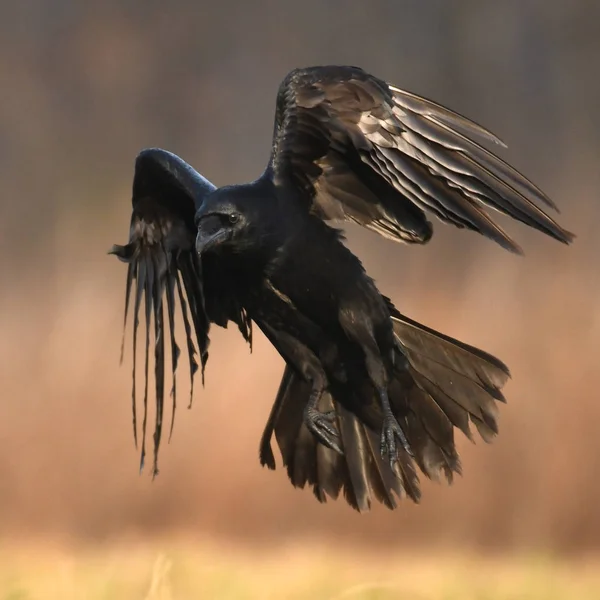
(433, 459)
(306, 461)
(470, 395)
(457, 415)
(475, 364)
(428, 428)
(266, 457)
(463, 381)
(487, 431)
(357, 492)
(439, 384)
(361, 473)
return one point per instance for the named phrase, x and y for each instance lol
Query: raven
(367, 393)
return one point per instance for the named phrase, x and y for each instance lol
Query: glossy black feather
(364, 476)
(175, 351)
(161, 258)
(415, 149)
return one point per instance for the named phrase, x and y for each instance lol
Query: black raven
(361, 380)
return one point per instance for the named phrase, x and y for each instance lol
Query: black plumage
(362, 381)
(162, 260)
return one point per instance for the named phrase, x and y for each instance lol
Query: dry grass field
(182, 571)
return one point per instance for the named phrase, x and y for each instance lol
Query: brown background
(86, 86)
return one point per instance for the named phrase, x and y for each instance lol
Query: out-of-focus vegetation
(211, 572)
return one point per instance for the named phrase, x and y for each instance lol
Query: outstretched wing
(362, 150)
(162, 261)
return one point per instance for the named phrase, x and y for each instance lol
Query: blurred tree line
(86, 85)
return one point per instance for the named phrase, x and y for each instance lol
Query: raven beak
(206, 242)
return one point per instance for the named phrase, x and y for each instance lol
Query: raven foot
(322, 426)
(392, 430)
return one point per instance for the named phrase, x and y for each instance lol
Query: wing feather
(420, 160)
(160, 257)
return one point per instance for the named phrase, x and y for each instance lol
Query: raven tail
(439, 384)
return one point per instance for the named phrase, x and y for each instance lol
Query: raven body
(296, 258)
(346, 146)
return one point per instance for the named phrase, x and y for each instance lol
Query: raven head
(229, 220)
(219, 222)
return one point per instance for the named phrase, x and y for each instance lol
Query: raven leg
(321, 425)
(391, 430)
(361, 331)
(304, 361)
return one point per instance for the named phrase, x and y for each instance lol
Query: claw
(322, 426)
(392, 430)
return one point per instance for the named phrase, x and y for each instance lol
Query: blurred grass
(182, 571)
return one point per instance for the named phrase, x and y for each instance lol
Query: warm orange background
(86, 86)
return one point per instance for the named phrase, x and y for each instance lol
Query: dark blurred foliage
(86, 85)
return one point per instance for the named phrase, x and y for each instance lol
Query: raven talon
(322, 426)
(390, 432)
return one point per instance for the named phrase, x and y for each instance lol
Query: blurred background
(86, 85)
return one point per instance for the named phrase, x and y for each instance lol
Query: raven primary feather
(366, 151)
(367, 395)
(162, 261)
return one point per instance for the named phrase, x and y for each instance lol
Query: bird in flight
(368, 395)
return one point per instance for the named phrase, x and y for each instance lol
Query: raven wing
(162, 261)
(359, 149)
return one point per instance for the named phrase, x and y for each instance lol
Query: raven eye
(234, 218)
